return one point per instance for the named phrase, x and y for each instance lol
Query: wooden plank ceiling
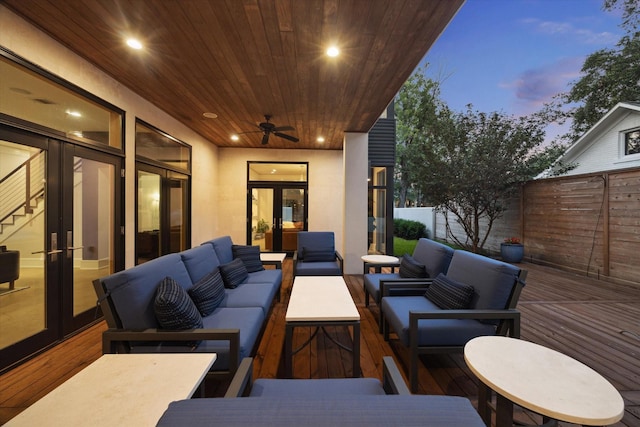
(242, 59)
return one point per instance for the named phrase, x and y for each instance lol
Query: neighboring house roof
(601, 148)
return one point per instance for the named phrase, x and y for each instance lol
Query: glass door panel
(262, 218)
(90, 244)
(23, 286)
(148, 217)
(178, 206)
(293, 217)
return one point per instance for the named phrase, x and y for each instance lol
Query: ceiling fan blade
(265, 138)
(283, 128)
(285, 136)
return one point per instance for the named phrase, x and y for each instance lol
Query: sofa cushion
(251, 295)
(321, 254)
(173, 307)
(250, 256)
(223, 247)
(372, 282)
(133, 290)
(449, 294)
(208, 293)
(233, 273)
(200, 261)
(431, 332)
(410, 268)
(435, 256)
(318, 269)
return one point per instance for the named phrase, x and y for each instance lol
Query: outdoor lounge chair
(317, 255)
(440, 321)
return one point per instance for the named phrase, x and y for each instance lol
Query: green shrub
(408, 229)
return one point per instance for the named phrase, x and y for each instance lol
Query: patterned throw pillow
(173, 307)
(410, 268)
(233, 273)
(449, 294)
(250, 256)
(318, 254)
(208, 293)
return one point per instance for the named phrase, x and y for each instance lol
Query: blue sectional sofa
(232, 329)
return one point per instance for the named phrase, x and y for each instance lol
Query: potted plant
(261, 228)
(512, 250)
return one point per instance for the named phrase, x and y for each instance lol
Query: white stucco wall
(605, 150)
(326, 188)
(33, 45)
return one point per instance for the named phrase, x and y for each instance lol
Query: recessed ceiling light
(235, 137)
(320, 139)
(134, 43)
(210, 115)
(333, 51)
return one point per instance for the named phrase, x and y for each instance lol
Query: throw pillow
(233, 273)
(324, 254)
(250, 256)
(410, 268)
(208, 293)
(449, 294)
(173, 307)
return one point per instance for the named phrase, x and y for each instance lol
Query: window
(632, 142)
(43, 99)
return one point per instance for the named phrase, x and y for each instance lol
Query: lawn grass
(402, 246)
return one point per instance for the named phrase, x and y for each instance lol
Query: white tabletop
(272, 256)
(379, 259)
(544, 380)
(320, 298)
(120, 390)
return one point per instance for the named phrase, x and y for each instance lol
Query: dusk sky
(514, 55)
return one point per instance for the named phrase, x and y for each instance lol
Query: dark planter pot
(511, 252)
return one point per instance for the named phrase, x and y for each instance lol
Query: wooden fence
(589, 224)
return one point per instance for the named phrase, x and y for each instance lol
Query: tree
(472, 162)
(609, 75)
(415, 107)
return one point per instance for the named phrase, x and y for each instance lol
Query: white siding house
(612, 143)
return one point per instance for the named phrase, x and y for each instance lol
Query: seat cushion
(208, 293)
(372, 283)
(317, 387)
(318, 269)
(234, 273)
(432, 332)
(449, 294)
(250, 256)
(173, 307)
(410, 268)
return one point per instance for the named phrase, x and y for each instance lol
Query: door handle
(70, 249)
(54, 247)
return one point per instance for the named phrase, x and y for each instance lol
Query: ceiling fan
(268, 128)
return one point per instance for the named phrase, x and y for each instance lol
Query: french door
(276, 213)
(162, 219)
(61, 212)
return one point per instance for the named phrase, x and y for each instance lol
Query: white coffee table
(319, 301)
(273, 258)
(120, 390)
(379, 261)
(539, 379)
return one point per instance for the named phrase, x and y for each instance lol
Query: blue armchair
(316, 255)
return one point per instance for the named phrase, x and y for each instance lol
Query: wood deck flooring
(593, 321)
